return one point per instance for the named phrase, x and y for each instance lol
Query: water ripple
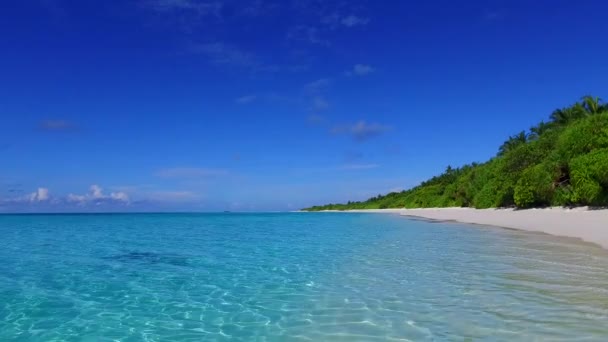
(295, 277)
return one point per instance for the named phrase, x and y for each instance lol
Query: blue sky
(273, 105)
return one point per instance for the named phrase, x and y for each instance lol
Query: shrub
(583, 137)
(535, 187)
(488, 196)
(589, 174)
(562, 196)
(524, 196)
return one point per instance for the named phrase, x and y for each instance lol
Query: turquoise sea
(293, 277)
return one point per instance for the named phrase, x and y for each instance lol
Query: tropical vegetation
(561, 162)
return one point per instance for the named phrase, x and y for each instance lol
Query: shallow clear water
(298, 276)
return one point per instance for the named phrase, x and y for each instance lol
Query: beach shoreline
(586, 224)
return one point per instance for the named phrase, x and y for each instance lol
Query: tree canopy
(561, 162)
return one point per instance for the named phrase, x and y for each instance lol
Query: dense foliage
(562, 162)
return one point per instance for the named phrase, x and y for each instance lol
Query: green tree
(570, 114)
(590, 177)
(513, 142)
(593, 105)
(540, 129)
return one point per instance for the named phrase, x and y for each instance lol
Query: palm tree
(513, 142)
(569, 114)
(559, 116)
(538, 130)
(592, 105)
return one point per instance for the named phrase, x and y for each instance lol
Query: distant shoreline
(589, 225)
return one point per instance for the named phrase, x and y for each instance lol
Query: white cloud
(96, 191)
(96, 194)
(119, 196)
(41, 195)
(76, 198)
(246, 99)
(353, 20)
(361, 70)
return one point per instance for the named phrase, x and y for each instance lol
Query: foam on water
(299, 276)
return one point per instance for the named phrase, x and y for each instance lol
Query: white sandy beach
(583, 223)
